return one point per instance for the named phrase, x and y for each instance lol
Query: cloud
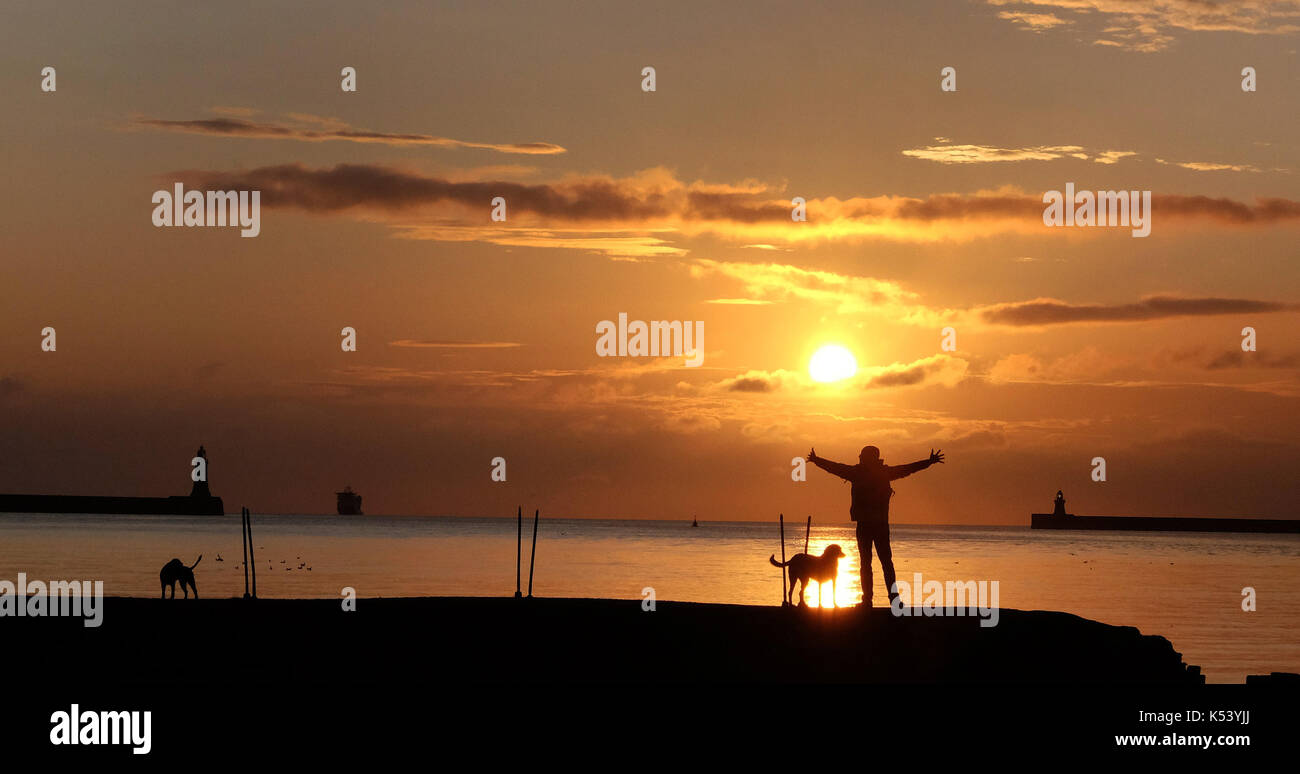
(1050, 311)
(755, 381)
(334, 130)
(1209, 166)
(419, 344)
(941, 369)
(982, 154)
(1111, 157)
(1239, 359)
(636, 216)
(1186, 368)
(846, 294)
(619, 244)
(987, 154)
(1035, 22)
(858, 296)
(1087, 365)
(946, 370)
(751, 384)
(1150, 26)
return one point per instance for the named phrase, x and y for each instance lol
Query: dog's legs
(803, 592)
(832, 582)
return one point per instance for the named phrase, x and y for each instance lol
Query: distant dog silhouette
(806, 567)
(175, 571)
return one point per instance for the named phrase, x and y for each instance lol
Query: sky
(477, 339)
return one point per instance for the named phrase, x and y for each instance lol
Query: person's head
(869, 456)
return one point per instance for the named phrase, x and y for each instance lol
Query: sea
(1187, 587)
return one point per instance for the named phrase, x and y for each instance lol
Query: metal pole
(533, 559)
(807, 533)
(519, 551)
(783, 592)
(243, 538)
(252, 559)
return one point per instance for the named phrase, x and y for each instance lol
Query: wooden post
(783, 592)
(533, 559)
(252, 559)
(243, 538)
(806, 534)
(519, 551)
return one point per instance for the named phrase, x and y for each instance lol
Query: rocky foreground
(395, 641)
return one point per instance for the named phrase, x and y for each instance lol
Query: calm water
(1186, 587)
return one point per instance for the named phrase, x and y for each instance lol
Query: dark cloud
(1240, 359)
(1201, 207)
(751, 384)
(904, 378)
(937, 369)
(234, 127)
(358, 185)
(1049, 311)
(958, 207)
(641, 201)
(734, 207)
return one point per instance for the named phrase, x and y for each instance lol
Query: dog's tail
(775, 563)
(196, 562)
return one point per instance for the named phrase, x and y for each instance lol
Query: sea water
(1187, 587)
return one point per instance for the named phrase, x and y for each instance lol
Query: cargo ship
(349, 502)
(199, 502)
(1060, 519)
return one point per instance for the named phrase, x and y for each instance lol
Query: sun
(832, 363)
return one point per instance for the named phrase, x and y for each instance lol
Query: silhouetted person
(870, 506)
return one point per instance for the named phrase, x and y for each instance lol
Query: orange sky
(477, 339)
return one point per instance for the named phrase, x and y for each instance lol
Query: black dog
(806, 567)
(175, 571)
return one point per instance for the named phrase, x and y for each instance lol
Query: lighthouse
(200, 488)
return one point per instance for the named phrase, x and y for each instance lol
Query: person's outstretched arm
(902, 471)
(830, 466)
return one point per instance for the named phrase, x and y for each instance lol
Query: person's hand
(936, 456)
(812, 454)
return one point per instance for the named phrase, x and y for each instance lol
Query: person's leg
(881, 539)
(864, 562)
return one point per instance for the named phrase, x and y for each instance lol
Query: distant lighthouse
(200, 488)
